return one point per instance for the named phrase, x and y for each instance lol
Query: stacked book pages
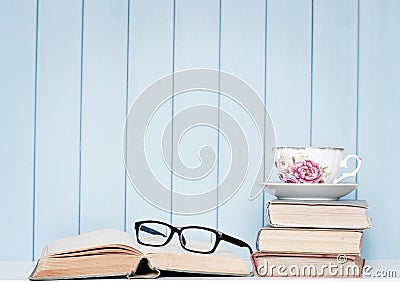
(312, 239)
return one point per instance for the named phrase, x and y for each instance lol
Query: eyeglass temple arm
(151, 231)
(236, 241)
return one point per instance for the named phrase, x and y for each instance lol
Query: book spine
(268, 215)
(254, 263)
(258, 240)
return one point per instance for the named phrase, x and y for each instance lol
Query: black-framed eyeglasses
(157, 234)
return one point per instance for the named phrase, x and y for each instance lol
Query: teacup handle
(344, 165)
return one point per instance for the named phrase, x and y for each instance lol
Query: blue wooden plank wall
(328, 71)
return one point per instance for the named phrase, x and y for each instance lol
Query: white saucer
(323, 191)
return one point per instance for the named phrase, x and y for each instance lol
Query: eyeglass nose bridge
(177, 230)
(182, 239)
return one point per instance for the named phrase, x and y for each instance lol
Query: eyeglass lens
(197, 239)
(154, 234)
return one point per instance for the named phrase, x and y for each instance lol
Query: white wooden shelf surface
(19, 271)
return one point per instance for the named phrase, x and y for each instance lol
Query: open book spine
(144, 269)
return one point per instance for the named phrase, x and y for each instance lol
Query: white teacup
(312, 164)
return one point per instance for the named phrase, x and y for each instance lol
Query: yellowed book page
(312, 241)
(199, 263)
(173, 257)
(321, 216)
(174, 246)
(90, 240)
(87, 266)
(112, 249)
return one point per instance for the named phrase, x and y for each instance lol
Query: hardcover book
(303, 265)
(309, 241)
(113, 253)
(318, 214)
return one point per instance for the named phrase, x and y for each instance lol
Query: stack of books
(312, 239)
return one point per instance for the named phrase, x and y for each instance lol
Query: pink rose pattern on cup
(306, 171)
(301, 170)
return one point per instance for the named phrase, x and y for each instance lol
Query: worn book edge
(147, 272)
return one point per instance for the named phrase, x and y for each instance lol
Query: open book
(112, 253)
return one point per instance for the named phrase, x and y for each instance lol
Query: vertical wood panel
(103, 114)
(242, 54)
(17, 92)
(57, 137)
(151, 41)
(196, 46)
(288, 72)
(335, 76)
(379, 138)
